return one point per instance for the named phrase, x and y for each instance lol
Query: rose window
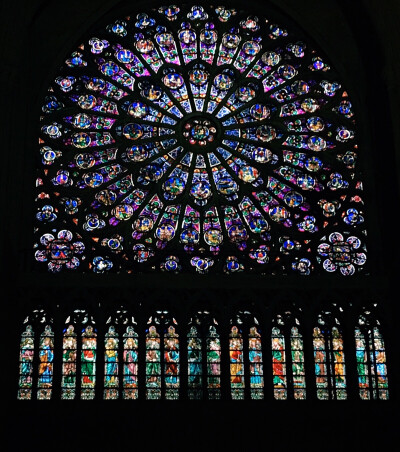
(198, 139)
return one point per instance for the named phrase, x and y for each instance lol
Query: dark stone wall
(362, 39)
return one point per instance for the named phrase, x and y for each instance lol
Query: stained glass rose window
(198, 139)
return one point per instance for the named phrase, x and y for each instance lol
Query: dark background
(361, 39)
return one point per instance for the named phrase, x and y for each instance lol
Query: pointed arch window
(171, 363)
(153, 364)
(46, 358)
(204, 357)
(79, 358)
(130, 382)
(68, 379)
(298, 366)
(162, 358)
(330, 370)
(279, 364)
(236, 363)
(213, 363)
(88, 362)
(246, 358)
(26, 354)
(371, 359)
(111, 364)
(121, 356)
(195, 364)
(256, 364)
(36, 356)
(288, 358)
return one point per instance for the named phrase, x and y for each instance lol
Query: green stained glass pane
(88, 363)
(68, 379)
(298, 367)
(153, 364)
(195, 369)
(26, 355)
(320, 360)
(213, 364)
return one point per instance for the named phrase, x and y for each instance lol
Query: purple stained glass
(198, 139)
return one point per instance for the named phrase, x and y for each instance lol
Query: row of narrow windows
(121, 365)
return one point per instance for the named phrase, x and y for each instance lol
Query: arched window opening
(329, 359)
(162, 358)
(195, 364)
(213, 363)
(171, 364)
(245, 357)
(26, 354)
(88, 362)
(371, 359)
(204, 357)
(256, 364)
(297, 355)
(153, 363)
(131, 354)
(279, 364)
(288, 367)
(70, 350)
(36, 357)
(121, 356)
(111, 364)
(46, 358)
(79, 357)
(236, 363)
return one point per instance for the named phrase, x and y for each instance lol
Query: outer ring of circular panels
(202, 139)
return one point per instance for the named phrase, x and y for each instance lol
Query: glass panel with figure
(111, 380)
(46, 357)
(194, 357)
(256, 365)
(130, 390)
(26, 354)
(362, 365)
(299, 375)
(171, 364)
(329, 364)
(320, 360)
(339, 368)
(371, 358)
(213, 364)
(153, 364)
(88, 363)
(236, 363)
(68, 378)
(279, 364)
(378, 365)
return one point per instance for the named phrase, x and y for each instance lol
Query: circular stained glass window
(198, 139)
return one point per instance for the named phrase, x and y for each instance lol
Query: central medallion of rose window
(199, 131)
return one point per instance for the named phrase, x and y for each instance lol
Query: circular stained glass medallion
(203, 140)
